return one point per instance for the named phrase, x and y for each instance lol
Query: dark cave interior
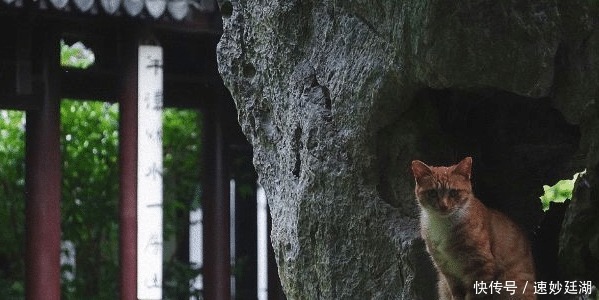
(518, 144)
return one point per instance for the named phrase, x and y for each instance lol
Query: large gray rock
(576, 95)
(337, 97)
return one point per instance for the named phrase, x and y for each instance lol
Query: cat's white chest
(438, 232)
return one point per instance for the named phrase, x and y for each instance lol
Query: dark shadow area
(518, 144)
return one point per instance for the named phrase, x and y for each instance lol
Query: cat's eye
(453, 193)
(432, 194)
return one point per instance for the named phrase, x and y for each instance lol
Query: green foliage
(12, 204)
(90, 195)
(181, 177)
(89, 206)
(177, 275)
(76, 56)
(559, 192)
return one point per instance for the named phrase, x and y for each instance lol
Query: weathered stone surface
(337, 97)
(579, 237)
(577, 96)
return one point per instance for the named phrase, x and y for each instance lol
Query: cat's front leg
(450, 288)
(444, 289)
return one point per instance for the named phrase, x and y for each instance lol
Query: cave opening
(518, 144)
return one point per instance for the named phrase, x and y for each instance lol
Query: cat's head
(443, 189)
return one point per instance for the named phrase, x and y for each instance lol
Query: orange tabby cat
(469, 243)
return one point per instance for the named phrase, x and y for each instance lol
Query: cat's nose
(443, 205)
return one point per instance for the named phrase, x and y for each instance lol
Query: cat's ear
(420, 169)
(464, 168)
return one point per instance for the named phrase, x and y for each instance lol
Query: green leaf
(76, 56)
(560, 192)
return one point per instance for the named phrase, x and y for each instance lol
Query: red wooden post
(128, 182)
(217, 268)
(43, 185)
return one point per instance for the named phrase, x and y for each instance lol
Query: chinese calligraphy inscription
(149, 173)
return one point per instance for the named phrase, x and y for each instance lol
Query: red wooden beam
(128, 182)
(21, 102)
(43, 185)
(215, 205)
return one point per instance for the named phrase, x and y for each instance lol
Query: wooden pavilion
(32, 80)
